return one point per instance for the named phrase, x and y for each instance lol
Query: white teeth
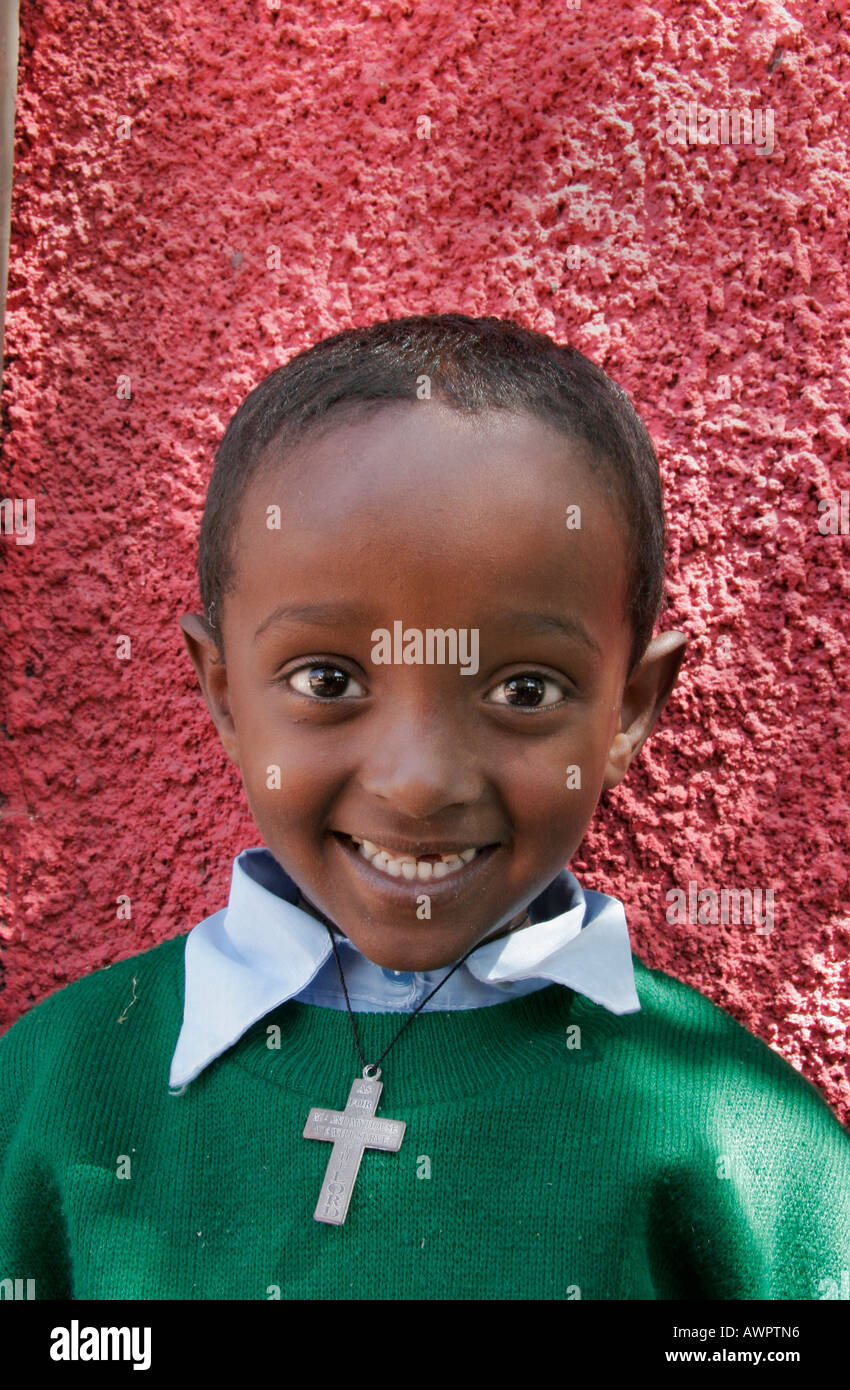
(407, 867)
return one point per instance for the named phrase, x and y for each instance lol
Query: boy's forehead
(418, 509)
(492, 461)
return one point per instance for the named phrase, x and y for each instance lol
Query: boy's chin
(422, 946)
(390, 953)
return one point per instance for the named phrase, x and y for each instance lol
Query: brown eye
(324, 682)
(529, 690)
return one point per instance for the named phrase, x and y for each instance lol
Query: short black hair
(473, 364)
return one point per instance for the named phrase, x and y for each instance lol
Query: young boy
(413, 1058)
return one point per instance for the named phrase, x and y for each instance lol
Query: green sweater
(670, 1155)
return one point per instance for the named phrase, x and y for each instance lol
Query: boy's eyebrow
(333, 614)
(321, 614)
(547, 622)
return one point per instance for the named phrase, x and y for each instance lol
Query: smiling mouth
(423, 868)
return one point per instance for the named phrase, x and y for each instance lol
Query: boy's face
(419, 515)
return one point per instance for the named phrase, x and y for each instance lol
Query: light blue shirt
(262, 950)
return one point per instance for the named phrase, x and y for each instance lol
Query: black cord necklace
(375, 1066)
(357, 1128)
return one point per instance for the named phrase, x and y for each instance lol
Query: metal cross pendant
(351, 1131)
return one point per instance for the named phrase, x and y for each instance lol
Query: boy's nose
(422, 769)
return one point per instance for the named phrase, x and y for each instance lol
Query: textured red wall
(709, 283)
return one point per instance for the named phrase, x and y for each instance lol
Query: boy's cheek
(290, 790)
(552, 800)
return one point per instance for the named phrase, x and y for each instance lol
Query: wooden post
(8, 93)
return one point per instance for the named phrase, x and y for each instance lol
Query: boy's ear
(644, 698)
(212, 678)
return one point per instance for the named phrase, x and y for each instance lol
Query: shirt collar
(262, 950)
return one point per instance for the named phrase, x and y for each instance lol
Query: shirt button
(397, 977)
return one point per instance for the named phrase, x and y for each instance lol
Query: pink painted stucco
(709, 280)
